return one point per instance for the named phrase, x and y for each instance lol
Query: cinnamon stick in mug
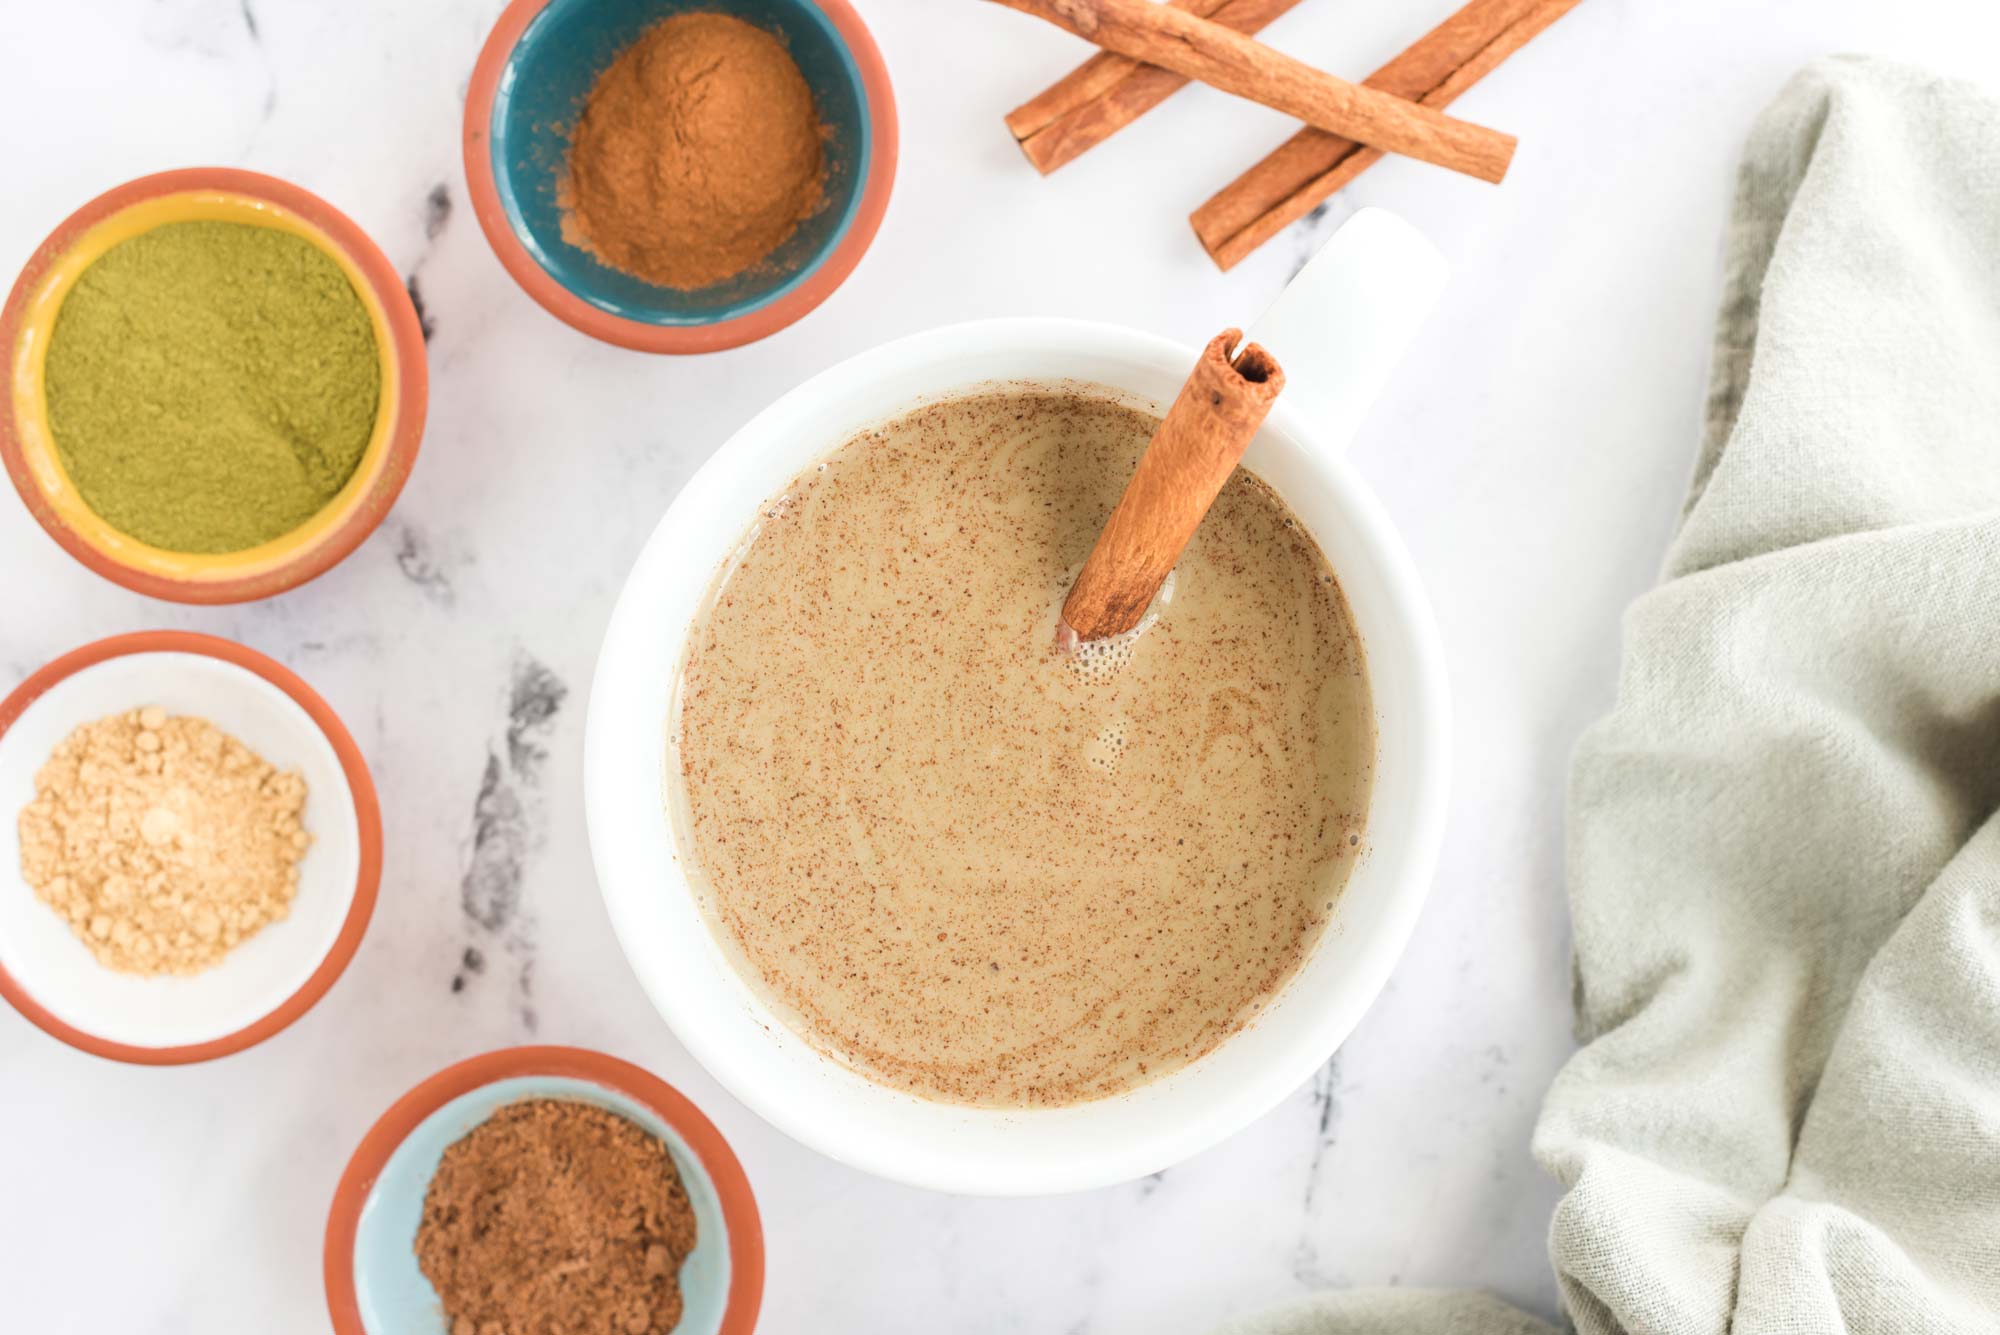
(1191, 455)
(1309, 167)
(1176, 40)
(1107, 92)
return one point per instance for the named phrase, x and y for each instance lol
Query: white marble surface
(1532, 449)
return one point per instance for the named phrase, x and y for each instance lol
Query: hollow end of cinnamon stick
(1257, 366)
(1191, 456)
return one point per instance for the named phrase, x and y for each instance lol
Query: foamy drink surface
(973, 867)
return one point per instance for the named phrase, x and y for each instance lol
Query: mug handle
(1341, 325)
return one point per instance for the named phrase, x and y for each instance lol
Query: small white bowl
(269, 980)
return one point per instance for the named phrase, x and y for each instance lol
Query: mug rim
(1077, 1153)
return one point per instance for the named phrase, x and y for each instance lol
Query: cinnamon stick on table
(1191, 455)
(1310, 166)
(1176, 40)
(1108, 91)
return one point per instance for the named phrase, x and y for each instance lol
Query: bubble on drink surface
(1105, 750)
(1100, 661)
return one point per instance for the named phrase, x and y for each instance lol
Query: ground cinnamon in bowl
(555, 1217)
(698, 154)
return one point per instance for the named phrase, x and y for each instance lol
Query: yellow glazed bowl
(28, 450)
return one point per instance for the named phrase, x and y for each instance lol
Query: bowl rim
(371, 1156)
(368, 821)
(386, 294)
(827, 273)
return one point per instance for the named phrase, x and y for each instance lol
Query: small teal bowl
(536, 69)
(373, 1284)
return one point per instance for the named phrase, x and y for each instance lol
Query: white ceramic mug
(1337, 331)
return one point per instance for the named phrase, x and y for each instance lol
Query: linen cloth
(1784, 861)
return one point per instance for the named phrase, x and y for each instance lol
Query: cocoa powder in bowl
(554, 1217)
(696, 156)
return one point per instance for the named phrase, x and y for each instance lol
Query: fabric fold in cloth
(1784, 860)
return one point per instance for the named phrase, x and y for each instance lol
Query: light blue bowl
(389, 1294)
(524, 99)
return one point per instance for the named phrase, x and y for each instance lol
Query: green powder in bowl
(211, 385)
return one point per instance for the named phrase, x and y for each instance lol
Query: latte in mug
(973, 867)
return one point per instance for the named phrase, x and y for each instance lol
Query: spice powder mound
(212, 385)
(163, 840)
(554, 1217)
(697, 154)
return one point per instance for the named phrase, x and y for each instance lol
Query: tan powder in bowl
(164, 841)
